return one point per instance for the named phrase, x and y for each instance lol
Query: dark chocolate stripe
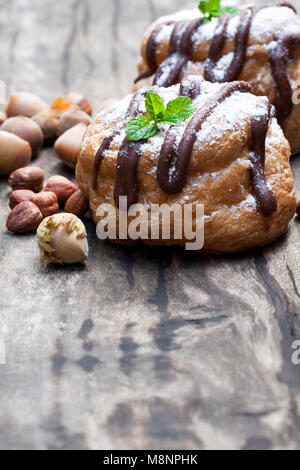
(151, 46)
(190, 88)
(126, 174)
(130, 152)
(279, 59)
(233, 70)
(174, 181)
(216, 47)
(264, 195)
(172, 177)
(99, 155)
(186, 44)
(132, 111)
(176, 36)
(169, 72)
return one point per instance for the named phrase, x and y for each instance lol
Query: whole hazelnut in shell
(23, 103)
(14, 153)
(27, 129)
(68, 145)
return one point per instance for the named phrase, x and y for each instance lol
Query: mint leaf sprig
(212, 9)
(144, 127)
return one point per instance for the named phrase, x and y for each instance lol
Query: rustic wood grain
(142, 348)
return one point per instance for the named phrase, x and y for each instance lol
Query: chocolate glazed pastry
(259, 46)
(230, 155)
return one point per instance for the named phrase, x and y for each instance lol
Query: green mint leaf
(140, 128)
(179, 110)
(234, 11)
(204, 7)
(154, 106)
(211, 9)
(143, 127)
(214, 5)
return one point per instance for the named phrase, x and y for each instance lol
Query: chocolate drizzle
(151, 52)
(126, 176)
(132, 111)
(174, 160)
(99, 155)
(190, 88)
(279, 59)
(174, 181)
(233, 70)
(169, 72)
(180, 49)
(263, 193)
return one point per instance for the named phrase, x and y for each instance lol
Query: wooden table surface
(142, 348)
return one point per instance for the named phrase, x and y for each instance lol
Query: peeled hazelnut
(24, 104)
(80, 101)
(70, 118)
(25, 217)
(68, 145)
(30, 177)
(77, 204)
(18, 196)
(27, 129)
(14, 152)
(62, 239)
(46, 201)
(61, 186)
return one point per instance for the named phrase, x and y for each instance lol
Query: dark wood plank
(141, 348)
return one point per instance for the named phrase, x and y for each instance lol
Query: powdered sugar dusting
(222, 65)
(266, 24)
(232, 114)
(270, 21)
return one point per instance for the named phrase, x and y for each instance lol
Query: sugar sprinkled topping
(229, 116)
(266, 23)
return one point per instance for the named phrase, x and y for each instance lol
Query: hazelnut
(48, 119)
(14, 153)
(68, 145)
(80, 101)
(62, 239)
(24, 104)
(61, 186)
(46, 201)
(77, 204)
(70, 118)
(25, 217)
(30, 177)
(27, 129)
(18, 196)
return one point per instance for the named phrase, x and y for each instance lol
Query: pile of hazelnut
(35, 204)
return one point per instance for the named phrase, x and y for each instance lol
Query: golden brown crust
(218, 177)
(256, 70)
